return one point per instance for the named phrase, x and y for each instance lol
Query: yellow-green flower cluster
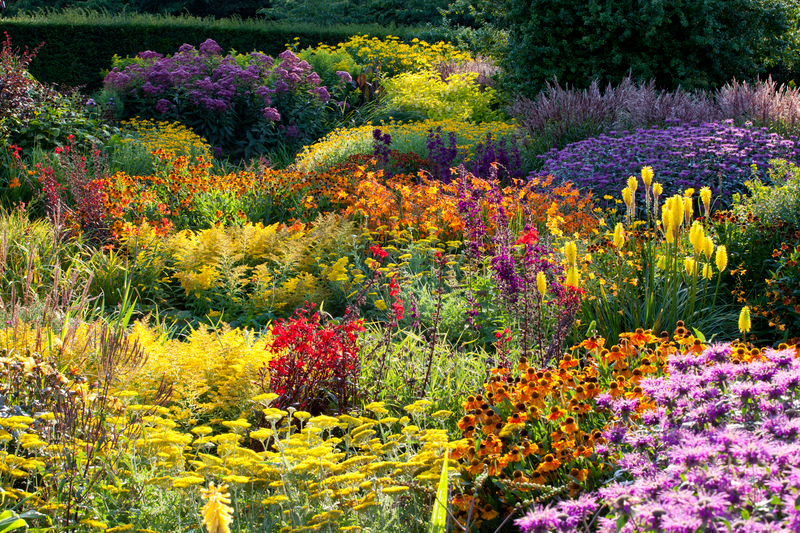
(337, 146)
(170, 136)
(392, 56)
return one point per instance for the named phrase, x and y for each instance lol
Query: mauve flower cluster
(716, 154)
(215, 95)
(718, 453)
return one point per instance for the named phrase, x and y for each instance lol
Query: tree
(697, 44)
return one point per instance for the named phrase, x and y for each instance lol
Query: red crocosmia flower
(531, 237)
(378, 252)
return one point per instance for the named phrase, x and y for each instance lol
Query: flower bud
(572, 277)
(571, 252)
(705, 196)
(541, 283)
(619, 235)
(722, 257)
(744, 320)
(647, 176)
(709, 248)
(690, 265)
(632, 183)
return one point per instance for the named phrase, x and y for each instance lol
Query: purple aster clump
(246, 105)
(719, 155)
(722, 456)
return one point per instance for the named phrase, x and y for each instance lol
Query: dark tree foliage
(198, 8)
(697, 44)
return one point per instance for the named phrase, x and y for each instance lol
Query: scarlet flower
(531, 237)
(378, 252)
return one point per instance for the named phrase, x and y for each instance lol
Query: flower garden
(356, 288)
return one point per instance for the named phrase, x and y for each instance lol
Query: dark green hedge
(79, 46)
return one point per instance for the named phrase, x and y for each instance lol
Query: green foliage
(327, 12)
(248, 275)
(761, 232)
(692, 43)
(69, 35)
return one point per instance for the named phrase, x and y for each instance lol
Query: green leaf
(9, 521)
(699, 335)
(439, 517)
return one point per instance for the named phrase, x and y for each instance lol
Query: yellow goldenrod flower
(217, 513)
(744, 320)
(722, 257)
(627, 196)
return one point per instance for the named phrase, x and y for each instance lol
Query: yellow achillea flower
(217, 512)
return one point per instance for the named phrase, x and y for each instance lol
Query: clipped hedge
(80, 46)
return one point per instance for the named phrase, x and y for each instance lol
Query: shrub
(561, 115)
(692, 43)
(391, 56)
(760, 232)
(717, 155)
(243, 105)
(314, 366)
(459, 97)
(248, 275)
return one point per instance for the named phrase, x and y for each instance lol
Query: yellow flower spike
(571, 253)
(722, 257)
(572, 277)
(688, 193)
(690, 265)
(708, 272)
(709, 248)
(647, 176)
(744, 320)
(217, 513)
(688, 210)
(619, 235)
(627, 196)
(697, 237)
(541, 283)
(658, 189)
(661, 262)
(705, 196)
(633, 184)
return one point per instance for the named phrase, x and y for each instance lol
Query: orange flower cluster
(534, 432)
(356, 188)
(431, 207)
